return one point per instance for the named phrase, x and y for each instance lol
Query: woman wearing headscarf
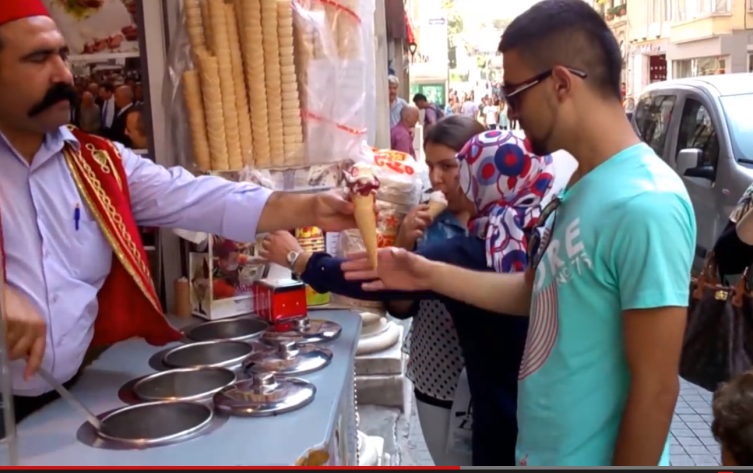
(505, 183)
(435, 361)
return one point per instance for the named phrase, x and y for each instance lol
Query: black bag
(718, 340)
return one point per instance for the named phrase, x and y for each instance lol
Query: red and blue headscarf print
(507, 183)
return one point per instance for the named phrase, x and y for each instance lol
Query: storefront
(648, 64)
(723, 54)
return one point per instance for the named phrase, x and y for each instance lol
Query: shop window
(652, 117)
(704, 66)
(697, 131)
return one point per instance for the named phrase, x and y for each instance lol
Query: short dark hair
(453, 131)
(420, 98)
(733, 418)
(567, 33)
(108, 86)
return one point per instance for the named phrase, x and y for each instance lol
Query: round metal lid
(155, 423)
(236, 329)
(290, 358)
(305, 330)
(264, 395)
(215, 354)
(183, 384)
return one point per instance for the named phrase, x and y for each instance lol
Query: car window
(697, 131)
(652, 118)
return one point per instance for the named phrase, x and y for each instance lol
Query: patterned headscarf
(506, 182)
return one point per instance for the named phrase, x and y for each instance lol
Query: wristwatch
(292, 258)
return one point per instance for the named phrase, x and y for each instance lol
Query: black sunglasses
(540, 237)
(512, 92)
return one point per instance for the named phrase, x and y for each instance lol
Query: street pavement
(691, 444)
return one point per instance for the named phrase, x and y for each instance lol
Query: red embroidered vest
(128, 303)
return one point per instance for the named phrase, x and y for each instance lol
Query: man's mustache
(56, 94)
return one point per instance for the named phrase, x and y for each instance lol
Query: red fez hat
(12, 10)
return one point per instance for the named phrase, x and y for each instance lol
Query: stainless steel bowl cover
(183, 384)
(216, 354)
(305, 330)
(156, 423)
(290, 358)
(236, 328)
(264, 395)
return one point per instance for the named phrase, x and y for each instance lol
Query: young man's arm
(496, 292)
(652, 255)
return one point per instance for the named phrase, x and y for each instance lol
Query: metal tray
(155, 423)
(216, 354)
(237, 329)
(183, 384)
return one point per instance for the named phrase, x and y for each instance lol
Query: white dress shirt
(108, 112)
(61, 268)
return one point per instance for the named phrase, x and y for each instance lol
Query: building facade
(615, 13)
(650, 25)
(711, 37)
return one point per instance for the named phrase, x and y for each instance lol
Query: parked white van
(703, 127)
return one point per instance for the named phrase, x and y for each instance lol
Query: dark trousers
(24, 406)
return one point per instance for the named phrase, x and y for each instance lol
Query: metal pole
(6, 385)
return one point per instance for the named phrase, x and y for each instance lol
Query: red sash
(128, 303)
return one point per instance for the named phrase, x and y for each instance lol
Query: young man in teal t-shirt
(609, 292)
(599, 379)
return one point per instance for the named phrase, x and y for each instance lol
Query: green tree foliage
(454, 19)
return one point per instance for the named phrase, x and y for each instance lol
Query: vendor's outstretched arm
(175, 198)
(506, 293)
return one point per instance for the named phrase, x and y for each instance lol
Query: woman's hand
(413, 227)
(277, 246)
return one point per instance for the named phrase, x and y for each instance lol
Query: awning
(409, 27)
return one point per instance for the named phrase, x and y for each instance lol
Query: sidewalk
(691, 445)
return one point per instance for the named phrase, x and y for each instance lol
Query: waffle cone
(196, 35)
(436, 208)
(196, 120)
(241, 97)
(207, 24)
(366, 221)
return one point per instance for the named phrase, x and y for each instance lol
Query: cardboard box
(222, 278)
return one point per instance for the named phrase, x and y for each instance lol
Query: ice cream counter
(322, 431)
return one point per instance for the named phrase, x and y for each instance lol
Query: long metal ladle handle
(68, 396)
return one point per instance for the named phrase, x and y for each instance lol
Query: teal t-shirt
(622, 238)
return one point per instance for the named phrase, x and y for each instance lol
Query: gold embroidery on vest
(123, 239)
(105, 162)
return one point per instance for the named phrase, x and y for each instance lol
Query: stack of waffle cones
(253, 63)
(215, 121)
(250, 62)
(272, 70)
(239, 86)
(221, 42)
(196, 120)
(347, 30)
(194, 25)
(292, 132)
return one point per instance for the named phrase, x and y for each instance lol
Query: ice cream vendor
(74, 278)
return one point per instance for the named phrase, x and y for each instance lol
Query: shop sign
(654, 48)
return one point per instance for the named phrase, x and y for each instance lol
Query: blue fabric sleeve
(652, 251)
(324, 274)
